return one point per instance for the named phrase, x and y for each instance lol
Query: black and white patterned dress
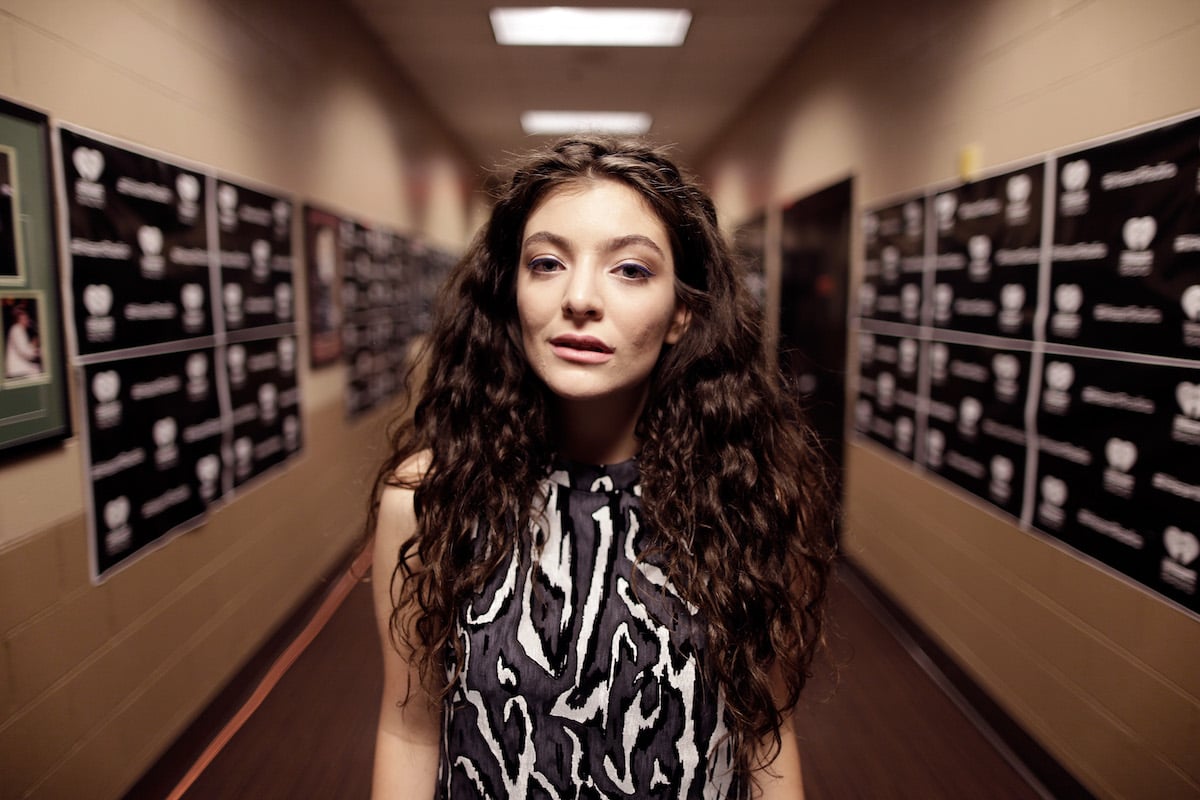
(580, 680)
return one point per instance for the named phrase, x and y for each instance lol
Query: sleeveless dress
(580, 679)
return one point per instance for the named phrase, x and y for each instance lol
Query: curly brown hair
(734, 485)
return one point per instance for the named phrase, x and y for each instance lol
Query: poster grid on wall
(183, 334)
(1033, 337)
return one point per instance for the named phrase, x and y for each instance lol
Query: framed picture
(33, 394)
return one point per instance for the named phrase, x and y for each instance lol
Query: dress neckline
(622, 476)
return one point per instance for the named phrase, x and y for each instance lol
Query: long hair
(735, 494)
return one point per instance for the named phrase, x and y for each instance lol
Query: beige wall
(1098, 670)
(96, 681)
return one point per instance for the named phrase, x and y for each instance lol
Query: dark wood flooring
(873, 724)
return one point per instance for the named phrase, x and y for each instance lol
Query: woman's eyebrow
(545, 237)
(633, 239)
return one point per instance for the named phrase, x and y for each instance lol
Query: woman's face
(596, 291)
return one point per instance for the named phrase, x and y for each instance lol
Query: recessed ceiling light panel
(581, 27)
(563, 122)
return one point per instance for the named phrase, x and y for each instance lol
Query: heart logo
(106, 386)
(1054, 490)
(233, 295)
(1060, 375)
(88, 162)
(1006, 366)
(227, 198)
(1121, 454)
(912, 212)
(282, 211)
(891, 260)
(885, 383)
(242, 448)
(1181, 545)
(236, 356)
(943, 294)
(1068, 297)
(1188, 395)
(97, 299)
(267, 394)
(287, 351)
(164, 431)
(945, 205)
(283, 300)
(908, 351)
(192, 295)
(866, 346)
(969, 411)
(197, 366)
(1191, 302)
(187, 186)
(1002, 468)
(207, 468)
(1018, 188)
(1075, 175)
(870, 225)
(1012, 296)
(862, 412)
(980, 247)
(260, 251)
(904, 429)
(1139, 232)
(150, 239)
(116, 512)
(866, 297)
(939, 354)
(936, 440)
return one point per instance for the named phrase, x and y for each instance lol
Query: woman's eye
(634, 271)
(544, 265)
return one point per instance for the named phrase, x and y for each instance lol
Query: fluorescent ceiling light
(560, 122)
(614, 27)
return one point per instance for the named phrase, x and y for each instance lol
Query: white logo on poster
(227, 198)
(1054, 490)
(1018, 190)
(97, 299)
(281, 211)
(1059, 376)
(935, 447)
(912, 218)
(150, 239)
(866, 348)
(1068, 298)
(232, 296)
(908, 357)
(291, 432)
(191, 296)
(167, 452)
(866, 299)
(187, 186)
(1006, 368)
(283, 301)
(944, 206)
(979, 248)
(939, 359)
(969, 412)
(116, 517)
(268, 403)
(863, 413)
(235, 357)
(243, 453)
(1121, 454)
(208, 469)
(1138, 232)
(871, 226)
(1182, 546)
(910, 301)
(1188, 395)
(889, 261)
(1000, 486)
(196, 368)
(287, 355)
(106, 386)
(1074, 199)
(260, 253)
(1012, 304)
(943, 302)
(1191, 302)
(89, 163)
(904, 434)
(885, 389)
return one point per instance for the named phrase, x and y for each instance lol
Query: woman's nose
(582, 296)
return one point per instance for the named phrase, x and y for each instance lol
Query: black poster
(254, 238)
(138, 247)
(1119, 467)
(886, 409)
(155, 435)
(988, 249)
(894, 262)
(1126, 256)
(977, 437)
(265, 404)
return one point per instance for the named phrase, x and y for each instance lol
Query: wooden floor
(873, 723)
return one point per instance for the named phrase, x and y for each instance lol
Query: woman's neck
(599, 431)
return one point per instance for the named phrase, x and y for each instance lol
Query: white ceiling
(445, 48)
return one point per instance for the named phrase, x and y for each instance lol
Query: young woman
(602, 539)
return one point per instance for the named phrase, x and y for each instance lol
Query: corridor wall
(1098, 670)
(96, 680)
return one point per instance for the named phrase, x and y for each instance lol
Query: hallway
(873, 723)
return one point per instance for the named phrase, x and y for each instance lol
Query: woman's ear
(679, 322)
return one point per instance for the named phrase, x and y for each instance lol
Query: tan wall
(96, 681)
(1100, 671)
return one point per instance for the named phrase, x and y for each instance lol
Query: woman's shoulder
(411, 471)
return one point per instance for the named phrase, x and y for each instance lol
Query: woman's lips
(581, 349)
